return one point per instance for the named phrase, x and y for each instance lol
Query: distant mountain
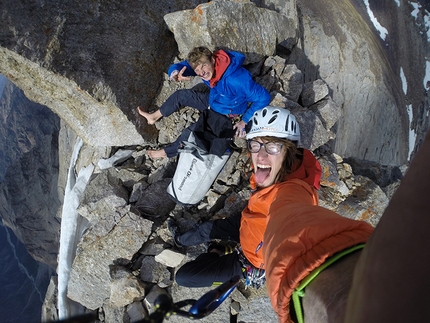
(29, 166)
(23, 281)
(3, 82)
(29, 199)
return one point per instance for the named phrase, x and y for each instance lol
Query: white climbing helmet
(275, 122)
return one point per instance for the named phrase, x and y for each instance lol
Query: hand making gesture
(176, 75)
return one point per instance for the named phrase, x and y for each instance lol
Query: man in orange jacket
(247, 228)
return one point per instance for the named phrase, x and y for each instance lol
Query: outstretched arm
(180, 71)
(391, 279)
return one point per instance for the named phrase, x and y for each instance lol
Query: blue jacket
(235, 91)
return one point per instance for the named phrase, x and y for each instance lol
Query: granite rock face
(29, 165)
(94, 62)
(91, 63)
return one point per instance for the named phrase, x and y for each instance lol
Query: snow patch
(404, 82)
(397, 3)
(416, 10)
(412, 133)
(383, 32)
(120, 156)
(425, 17)
(72, 226)
(426, 80)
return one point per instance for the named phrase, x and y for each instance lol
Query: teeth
(264, 166)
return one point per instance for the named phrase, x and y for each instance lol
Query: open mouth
(262, 173)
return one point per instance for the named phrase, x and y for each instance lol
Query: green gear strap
(299, 291)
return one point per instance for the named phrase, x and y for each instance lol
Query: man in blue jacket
(232, 92)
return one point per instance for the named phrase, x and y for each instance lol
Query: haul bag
(195, 173)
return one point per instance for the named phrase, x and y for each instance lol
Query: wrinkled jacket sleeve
(299, 237)
(178, 66)
(256, 95)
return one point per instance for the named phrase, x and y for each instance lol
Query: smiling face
(266, 167)
(206, 69)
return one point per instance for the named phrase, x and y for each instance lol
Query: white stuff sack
(195, 173)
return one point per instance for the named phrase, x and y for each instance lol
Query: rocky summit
(358, 89)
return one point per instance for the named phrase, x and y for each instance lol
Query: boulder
(231, 25)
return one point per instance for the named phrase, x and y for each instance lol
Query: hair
(292, 154)
(199, 55)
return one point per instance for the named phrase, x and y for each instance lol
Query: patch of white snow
(412, 134)
(404, 82)
(427, 76)
(383, 32)
(71, 230)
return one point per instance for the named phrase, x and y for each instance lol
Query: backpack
(195, 173)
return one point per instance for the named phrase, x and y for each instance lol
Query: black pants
(224, 229)
(181, 98)
(210, 268)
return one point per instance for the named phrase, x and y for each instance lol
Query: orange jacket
(254, 216)
(299, 237)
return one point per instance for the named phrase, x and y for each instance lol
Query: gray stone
(312, 131)
(330, 176)
(382, 175)
(152, 271)
(153, 247)
(124, 288)
(292, 81)
(113, 315)
(49, 307)
(169, 258)
(137, 191)
(153, 294)
(367, 202)
(328, 111)
(95, 255)
(222, 23)
(313, 92)
(103, 202)
(136, 311)
(154, 201)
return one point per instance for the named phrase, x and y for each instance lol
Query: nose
(262, 153)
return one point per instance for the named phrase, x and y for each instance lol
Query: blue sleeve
(256, 95)
(178, 66)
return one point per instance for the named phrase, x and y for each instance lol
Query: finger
(182, 71)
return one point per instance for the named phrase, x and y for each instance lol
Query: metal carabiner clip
(212, 299)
